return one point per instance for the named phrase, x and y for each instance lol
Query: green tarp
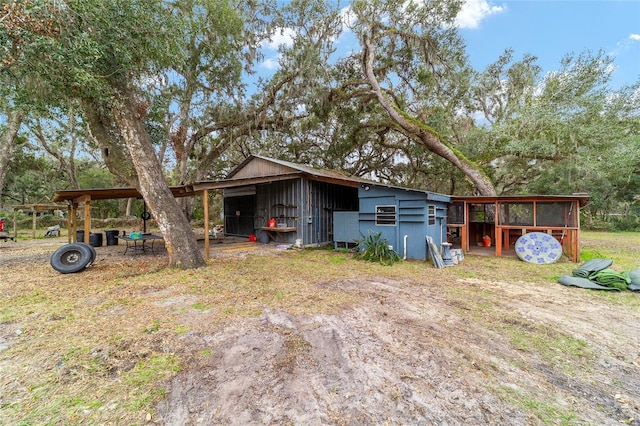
(568, 280)
(595, 274)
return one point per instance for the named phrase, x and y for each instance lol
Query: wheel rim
(71, 258)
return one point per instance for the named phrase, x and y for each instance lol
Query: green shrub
(374, 248)
(627, 223)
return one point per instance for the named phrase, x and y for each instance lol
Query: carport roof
(257, 169)
(113, 193)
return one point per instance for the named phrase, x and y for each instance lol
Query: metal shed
(310, 205)
(305, 202)
(300, 199)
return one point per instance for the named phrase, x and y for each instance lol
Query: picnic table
(140, 245)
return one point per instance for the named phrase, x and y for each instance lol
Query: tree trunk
(7, 139)
(179, 238)
(413, 129)
(114, 153)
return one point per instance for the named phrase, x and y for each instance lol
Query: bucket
(111, 235)
(95, 239)
(486, 241)
(272, 223)
(263, 237)
(80, 236)
(252, 238)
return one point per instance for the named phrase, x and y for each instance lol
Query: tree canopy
(168, 92)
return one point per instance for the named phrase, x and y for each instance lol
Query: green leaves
(374, 248)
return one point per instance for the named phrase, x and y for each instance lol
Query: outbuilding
(493, 224)
(403, 217)
(289, 203)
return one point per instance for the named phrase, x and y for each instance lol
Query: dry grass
(96, 347)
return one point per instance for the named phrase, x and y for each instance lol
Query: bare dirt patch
(263, 336)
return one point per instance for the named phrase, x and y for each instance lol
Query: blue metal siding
(412, 208)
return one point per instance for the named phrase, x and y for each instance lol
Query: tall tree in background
(556, 133)
(414, 62)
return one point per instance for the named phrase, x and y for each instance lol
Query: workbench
(278, 233)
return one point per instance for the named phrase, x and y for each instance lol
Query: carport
(81, 198)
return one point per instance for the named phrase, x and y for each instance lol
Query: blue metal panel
(412, 225)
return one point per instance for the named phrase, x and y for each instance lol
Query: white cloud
(474, 11)
(271, 63)
(281, 37)
(626, 44)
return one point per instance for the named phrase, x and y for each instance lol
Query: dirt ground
(435, 349)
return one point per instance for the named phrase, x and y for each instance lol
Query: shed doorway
(239, 215)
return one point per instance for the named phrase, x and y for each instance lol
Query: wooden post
(74, 222)
(464, 234)
(87, 218)
(497, 231)
(205, 208)
(15, 224)
(33, 223)
(69, 224)
(576, 246)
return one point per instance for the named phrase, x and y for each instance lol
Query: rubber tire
(72, 258)
(93, 255)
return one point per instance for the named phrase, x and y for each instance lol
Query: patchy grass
(621, 247)
(547, 413)
(97, 347)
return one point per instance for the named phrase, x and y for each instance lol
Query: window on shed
(386, 215)
(455, 213)
(432, 215)
(482, 213)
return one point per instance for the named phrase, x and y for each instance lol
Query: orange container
(272, 223)
(486, 241)
(252, 238)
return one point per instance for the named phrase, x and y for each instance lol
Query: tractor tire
(72, 258)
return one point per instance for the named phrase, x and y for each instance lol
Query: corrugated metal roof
(322, 174)
(287, 170)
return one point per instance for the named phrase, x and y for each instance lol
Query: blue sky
(547, 29)
(550, 29)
